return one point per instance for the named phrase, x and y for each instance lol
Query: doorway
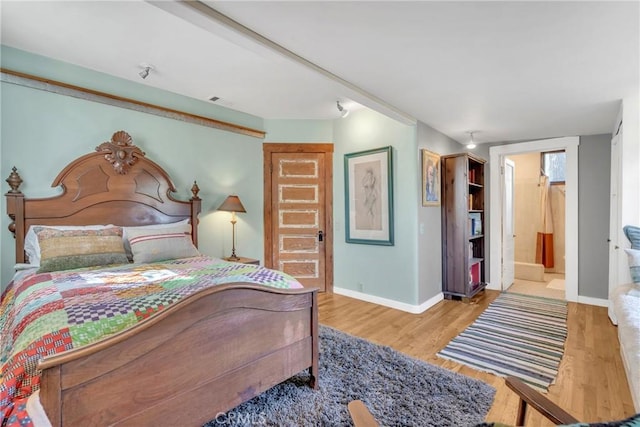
(298, 209)
(538, 216)
(497, 157)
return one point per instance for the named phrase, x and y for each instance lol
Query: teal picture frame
(368, 179)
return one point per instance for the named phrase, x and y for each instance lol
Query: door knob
(320, 236)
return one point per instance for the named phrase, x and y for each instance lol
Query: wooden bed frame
(185, 365)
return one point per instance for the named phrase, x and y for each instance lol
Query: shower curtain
(544, 241)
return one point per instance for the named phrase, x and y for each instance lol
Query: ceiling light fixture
(146, 69)
(343, 111)
(472, 144)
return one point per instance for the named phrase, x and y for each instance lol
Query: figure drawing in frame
(369, 216)
(369, 197)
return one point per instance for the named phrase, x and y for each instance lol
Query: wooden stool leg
(522, 413)
(360, 415)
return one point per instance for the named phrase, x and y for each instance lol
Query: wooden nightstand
(244, 260)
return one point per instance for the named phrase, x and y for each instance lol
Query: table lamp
(232, 204)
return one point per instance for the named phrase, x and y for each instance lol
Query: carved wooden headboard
(116, 184)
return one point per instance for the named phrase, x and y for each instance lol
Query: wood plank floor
(591, 384)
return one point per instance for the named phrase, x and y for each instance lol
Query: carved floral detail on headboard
(121, 152)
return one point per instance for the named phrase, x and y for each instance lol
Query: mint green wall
(38, 125)
(385, 271)
(320, 131)
(42, 132)
(41, 66)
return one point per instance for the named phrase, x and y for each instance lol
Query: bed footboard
(187, 364)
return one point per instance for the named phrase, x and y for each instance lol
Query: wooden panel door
(298, 209)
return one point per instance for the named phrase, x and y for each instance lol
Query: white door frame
(570, 145)
(614, 216)
(508, 163)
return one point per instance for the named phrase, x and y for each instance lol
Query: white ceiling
(507, 70)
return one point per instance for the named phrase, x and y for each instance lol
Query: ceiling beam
(210, 19)
(60, 88)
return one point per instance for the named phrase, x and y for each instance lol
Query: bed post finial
(14, 180)
(195, 190)
(15, 211)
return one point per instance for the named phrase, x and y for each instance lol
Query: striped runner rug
(518, 335)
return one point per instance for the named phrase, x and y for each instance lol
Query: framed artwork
(430, 178)
(368, 183)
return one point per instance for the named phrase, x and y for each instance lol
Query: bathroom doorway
(539, 223)
(560, 244)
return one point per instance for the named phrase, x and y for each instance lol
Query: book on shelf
(470, 202)
(474, 273)
(477, 229)
(475, 224)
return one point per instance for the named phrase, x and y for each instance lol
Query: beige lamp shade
(232, 204)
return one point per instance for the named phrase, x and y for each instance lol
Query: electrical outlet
(360, 286)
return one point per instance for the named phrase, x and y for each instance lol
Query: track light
(343, 111)
(145, 72)
(146, 69)
(472, 144)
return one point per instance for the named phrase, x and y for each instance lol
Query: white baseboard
(409, 308)
(582, 300)
(417, 309)
(593, 301)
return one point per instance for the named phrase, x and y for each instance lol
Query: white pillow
(32, 247)
(633, 256)
(126, 232)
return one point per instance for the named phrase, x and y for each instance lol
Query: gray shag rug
(397, 389)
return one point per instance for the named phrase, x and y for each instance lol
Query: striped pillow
(127, 230)
(69, 249)
(162, 244)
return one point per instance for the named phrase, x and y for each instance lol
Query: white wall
(629, 177)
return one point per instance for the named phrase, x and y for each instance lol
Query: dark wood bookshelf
(463, 225)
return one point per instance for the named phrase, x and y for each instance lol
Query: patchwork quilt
(48, 313)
